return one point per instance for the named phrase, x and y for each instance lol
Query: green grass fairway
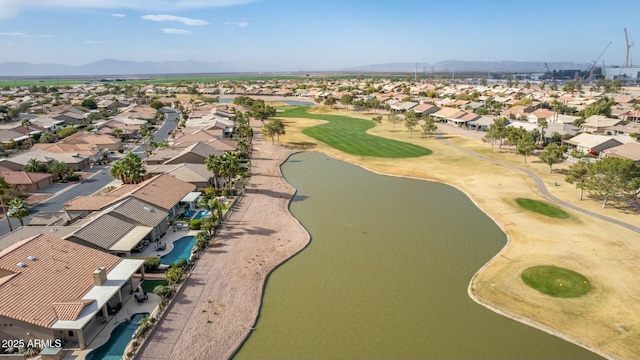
(349, 135)
(542, 208)
(556, 281)
(149, 285)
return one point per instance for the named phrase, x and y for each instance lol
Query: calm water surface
(386, 275)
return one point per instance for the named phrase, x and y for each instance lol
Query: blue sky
(316, 35)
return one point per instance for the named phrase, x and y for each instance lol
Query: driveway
(87, 187)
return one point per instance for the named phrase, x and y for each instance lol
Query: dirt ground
(607, 320)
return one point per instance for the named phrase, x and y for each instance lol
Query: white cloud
(23, 34)
(184, 20)
(176, 31)
(118, 15)
(94, 42)
(10, 8)
(237, 23)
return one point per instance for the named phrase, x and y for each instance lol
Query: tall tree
(60, 170)
(129, 168)
(19, 209)
(346, 100)
(214, 164)
(26, 124)
(377, 120)
(394, 119)
(410, 121)
(543, 124)
(429, 126)
(33, 165)
(553, 154)
(330, 100)
(117, 170)
(613, 179)
(4, 189)
(274, 128)
(525, 147)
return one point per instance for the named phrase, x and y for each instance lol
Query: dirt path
(217, 307)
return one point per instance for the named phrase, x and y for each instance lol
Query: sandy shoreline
(220, 302)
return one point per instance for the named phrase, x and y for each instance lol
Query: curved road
(541, 186)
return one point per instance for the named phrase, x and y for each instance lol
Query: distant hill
(121, 67)
(117, 67)
(470, 66)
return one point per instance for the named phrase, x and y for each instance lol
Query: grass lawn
(350, 135)
(149, 285)
(556, 281)
(542, 208)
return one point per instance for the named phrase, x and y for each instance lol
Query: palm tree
(18, 208)
(117, 170)
(214, 208)
(60, 170)
(132, 168)
(214, 164)
(4, 187)
(117, 132)
(243, 148)
(33, 165)
(26, 124)
(230, 167)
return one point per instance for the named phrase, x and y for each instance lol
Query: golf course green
(349, 135)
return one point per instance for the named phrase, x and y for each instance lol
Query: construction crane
(590, 69)
(629, 46)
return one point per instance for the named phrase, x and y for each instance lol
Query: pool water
(181, 250)
(201, 214)
(120, 337)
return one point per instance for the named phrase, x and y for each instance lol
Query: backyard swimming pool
(201, 214)
(181, 250)
(113, 349)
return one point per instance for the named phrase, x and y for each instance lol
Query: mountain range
(121, 67)
(470, 66)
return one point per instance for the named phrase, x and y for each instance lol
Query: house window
(70, 333)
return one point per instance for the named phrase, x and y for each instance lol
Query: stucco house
(55, 289)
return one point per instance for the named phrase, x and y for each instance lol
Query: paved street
(86, 187)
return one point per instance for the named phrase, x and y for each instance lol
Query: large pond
(288, 102)
(386, 275)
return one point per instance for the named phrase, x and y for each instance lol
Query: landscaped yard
(149, 285)
(542, 208)
(556, 281)
(350, 135)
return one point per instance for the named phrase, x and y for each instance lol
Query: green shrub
(74, 177)
(70, 130)
(182, 263)
(195, 224)
(151, 263)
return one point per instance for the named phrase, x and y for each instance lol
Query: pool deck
(129, 308)
(170, 237)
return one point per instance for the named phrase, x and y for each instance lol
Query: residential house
(629, 151)
(560, 128)
(196, 174)
(111, 106)
(48, 124)
(163, 191)
(54, 289)
(74, 160)
(194, 154)
(54, 218)
(626, 129)
(483, 123)
(99, 141)
(598, 123)
(540, 115)
(448, 112)
(592, 143)
(30, 182)
(425, 109)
